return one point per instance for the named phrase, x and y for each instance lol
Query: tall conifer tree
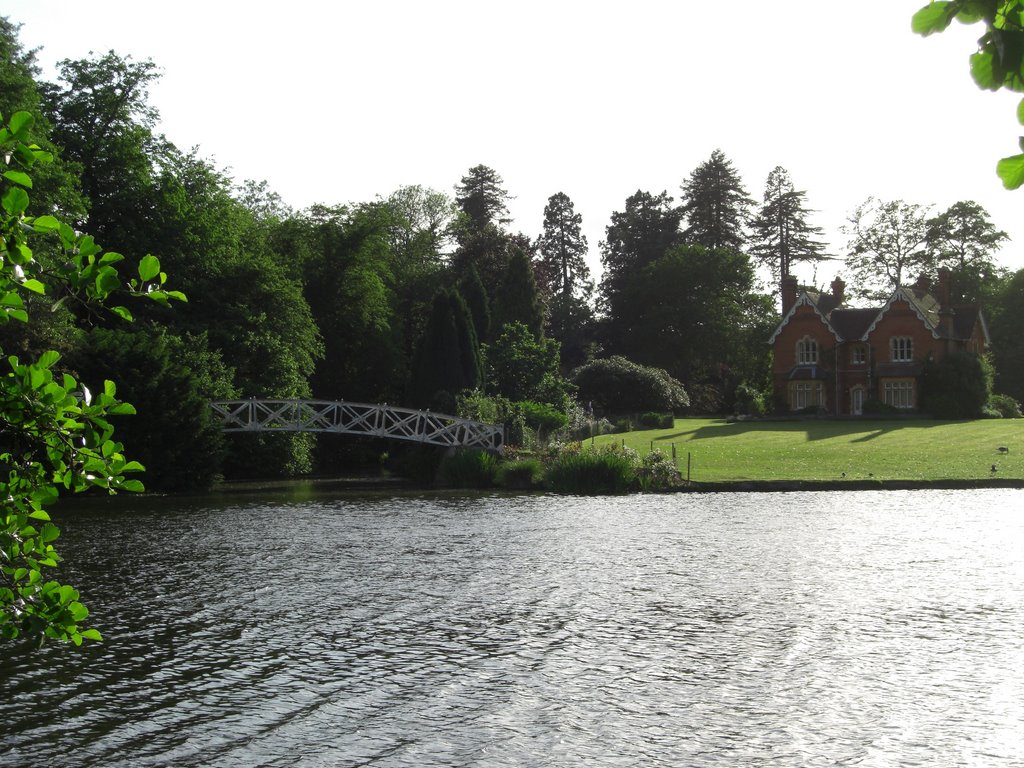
(715, 204)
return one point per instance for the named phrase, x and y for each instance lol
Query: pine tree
(715, 204)
(563, 250)
(781, 234)
(482, 197)
(566, 279)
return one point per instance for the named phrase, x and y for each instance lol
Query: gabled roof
(926, 308)
(857, 324)
(806, 299)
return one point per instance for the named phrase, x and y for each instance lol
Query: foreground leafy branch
(999, 60)
(54, 433)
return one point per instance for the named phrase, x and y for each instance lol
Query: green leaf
(48, 359)
(15, 201)
(19, 177)
(1020, 112)
(934, 17)
(92, 634)
(982, 71)
(1011, 171)
(134, 486)
(21, 123)
(123, 313)
(107, 281)
(35, 286)
(45, 224)
(149, 267)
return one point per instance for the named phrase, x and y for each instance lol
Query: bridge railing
(372, 420)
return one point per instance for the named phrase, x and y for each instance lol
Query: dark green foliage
(469, 468)
(447, 358)
(1007, 340)
(963, 237)
(592, 473)
(522, 367)
(693, 312)
(475, 295)
(521, 474)
(1006, 406)
(618, 385)
(482, 197)
(170, 381)
(655, 420)
(565, 279)
(956, 387)
(542, 417)
(715, 204)
(749, 401)
(519, 301)
(636, 236)
(781, 234)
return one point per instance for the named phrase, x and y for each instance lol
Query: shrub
(521, 473)
(542, 417)
(658, 472)
(956, 387)
(875, 407)
(623, 425)
(469, 468)
(592, 472)
(749, 401)
(1006, 406)
(653, 420)
(618, 385)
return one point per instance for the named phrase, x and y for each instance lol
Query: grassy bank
(814, 450)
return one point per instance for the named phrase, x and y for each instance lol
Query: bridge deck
(259, 415)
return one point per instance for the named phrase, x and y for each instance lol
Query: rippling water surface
(868, 629)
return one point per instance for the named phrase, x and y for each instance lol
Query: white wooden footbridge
(367, 420)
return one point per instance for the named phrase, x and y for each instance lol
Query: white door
(857, 401)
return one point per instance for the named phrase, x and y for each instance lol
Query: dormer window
(807, 351)
(902, 349)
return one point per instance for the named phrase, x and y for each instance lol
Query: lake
(802, 629)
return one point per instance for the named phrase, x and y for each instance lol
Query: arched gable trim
(804, 300)
(897, 295)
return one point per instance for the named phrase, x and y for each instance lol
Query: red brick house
(834, 358)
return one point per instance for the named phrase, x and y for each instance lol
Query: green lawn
(823, 450)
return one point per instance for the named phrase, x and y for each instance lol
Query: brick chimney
(789, 291)
(838, 291)
(922, 285)
(946, 312)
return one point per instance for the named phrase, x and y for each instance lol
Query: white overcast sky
(336, 102)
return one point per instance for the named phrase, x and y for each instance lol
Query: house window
(902, 348)
(806, 351)
(898, 393)
(858, 354)
(805, 394)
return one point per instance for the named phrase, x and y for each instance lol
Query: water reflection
(864, 629)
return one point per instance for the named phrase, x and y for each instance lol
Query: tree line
(419, 298)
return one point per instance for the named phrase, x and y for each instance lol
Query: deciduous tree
(888, 245)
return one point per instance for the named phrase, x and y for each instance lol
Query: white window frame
(898, 393)
(901, 349)
(858, 354)
(807, 351)
(805, 394)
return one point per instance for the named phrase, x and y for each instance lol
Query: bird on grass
(1003, 449)
(994, 468)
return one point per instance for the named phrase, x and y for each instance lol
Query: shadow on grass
(815, 429)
